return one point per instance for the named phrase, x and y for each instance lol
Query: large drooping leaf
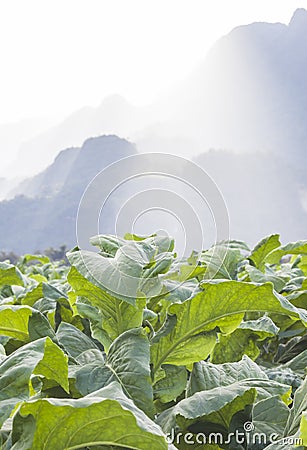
(256, 276)
(243, 341)
(303, 427)
(10, 275)
(41, 357)
(14, 321)
(127, 362)
(104, 418)
(299, 406)
(293, 248)
(216, 406)
(171, 384)
(262, 249)
(40, 291)
(221, 261)
(269, 418)
(108, 244)
(73, 340)
(119, 276)
(220, 306)
(298, 363)
(23, 323)
(117, 315)
(206, 376)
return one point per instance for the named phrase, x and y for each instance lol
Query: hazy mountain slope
(114, 115)
(249, 94)
(48, 218)
(51, 180)
(261, 193)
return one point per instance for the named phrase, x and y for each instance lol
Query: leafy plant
(134, 348)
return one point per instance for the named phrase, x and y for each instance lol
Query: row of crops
(132, 347)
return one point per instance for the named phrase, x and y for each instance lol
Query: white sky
(59, 55)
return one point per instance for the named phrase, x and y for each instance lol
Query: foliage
(132, 347)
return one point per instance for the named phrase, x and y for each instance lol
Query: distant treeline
(54, 254)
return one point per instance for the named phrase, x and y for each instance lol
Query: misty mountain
(113, 115)
(46, 216)
(250, 93)
(248, 99)
(262, 194)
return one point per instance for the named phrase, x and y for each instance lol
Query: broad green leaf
(43, 259)
(39, 326)
(171, 384)
(269, 417)
(10, 275)
(221, 262)
(298, 363)
(256, 276)
(107, 243)
(42, 291)
(73, 340)
(119, 276)
(243, 341)
(303, 427)
(223, 306)
(53, 365)
(263, 248)
(117, 315)
(14, 321)
(104, 418)
(299, 406)
(293, 248)
(215, 406)
(127, 362)
(42, 357)
(206, 376)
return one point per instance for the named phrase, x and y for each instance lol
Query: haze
(59, 56)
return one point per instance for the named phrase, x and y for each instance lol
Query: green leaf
(269, 417)
(14, 321)
(35, 258)
(42, 357)
(221, 261)
(104, 418)
(256, 276)
(118, 276)
(215, 406)
(206, 376)
(107, 243)
(171, 384)
(303, 427)
(293, 248)
(73, 340)
(221, 305)
(262, 249)
(299, 406)
(127, 363)
(10, 275)
(243, 341)
(117, 315)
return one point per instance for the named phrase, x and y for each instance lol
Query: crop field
(130, 346)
